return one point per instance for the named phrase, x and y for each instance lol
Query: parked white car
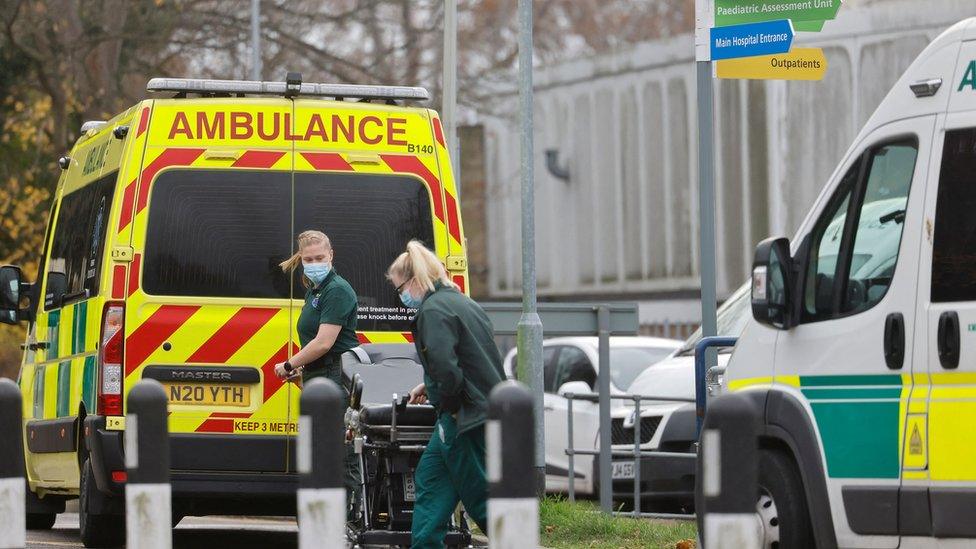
(668, 483)
(569, 365)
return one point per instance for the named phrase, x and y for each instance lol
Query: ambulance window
(826, 238)
(214, 233)
(880, 221)
(369, 218)
(79, 239)
(856, 243)
(953, 259)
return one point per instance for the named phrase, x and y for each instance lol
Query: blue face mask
(409, 300)
(316, 272)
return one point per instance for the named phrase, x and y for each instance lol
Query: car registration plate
(409, 488)
(207, 394)
(622, 470)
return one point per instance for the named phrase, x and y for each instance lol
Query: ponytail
(422, 264)
(306, 238)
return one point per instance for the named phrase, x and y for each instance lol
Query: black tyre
(41, 521)
(97, 530)
(782, 505)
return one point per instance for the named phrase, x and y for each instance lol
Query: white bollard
(728, 474)
(320, 462)
(513, 510)
(148, 499)
(13, 495)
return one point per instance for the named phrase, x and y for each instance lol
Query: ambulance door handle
(894, 341)
(948, 339)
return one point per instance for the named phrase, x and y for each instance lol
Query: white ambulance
(862, 358)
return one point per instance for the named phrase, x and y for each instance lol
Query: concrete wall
(626, 222)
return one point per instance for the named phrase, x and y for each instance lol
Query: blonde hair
(420, 263)
(305, 239)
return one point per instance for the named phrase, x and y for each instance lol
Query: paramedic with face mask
(455, 341)
(326, 329)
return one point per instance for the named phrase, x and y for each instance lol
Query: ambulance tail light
(111, 351)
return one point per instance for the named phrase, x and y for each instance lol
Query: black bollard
(13, 519)
(321, 463)
(513, 508)
(148, 499)
(728, 479)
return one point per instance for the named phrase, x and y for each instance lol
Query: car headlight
(715, 380)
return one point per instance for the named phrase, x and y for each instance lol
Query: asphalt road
(192, 533)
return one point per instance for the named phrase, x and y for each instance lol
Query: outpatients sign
(797, 64)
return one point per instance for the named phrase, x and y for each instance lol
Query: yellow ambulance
(161, 261)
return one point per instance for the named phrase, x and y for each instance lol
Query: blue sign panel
(766, 38)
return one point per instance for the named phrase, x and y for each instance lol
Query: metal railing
(637, 452)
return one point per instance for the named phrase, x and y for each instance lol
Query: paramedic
(454, 339)
(326, 328)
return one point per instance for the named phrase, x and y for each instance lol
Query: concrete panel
(655, 202)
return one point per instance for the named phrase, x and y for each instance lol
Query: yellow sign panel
(915, 450)
(208, 394)
(798, 64)
(115, 423)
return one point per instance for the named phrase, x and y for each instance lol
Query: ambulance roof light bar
(292, 88)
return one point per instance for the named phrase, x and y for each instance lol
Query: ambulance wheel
(41, 521)
(781, 505)
(97, 530)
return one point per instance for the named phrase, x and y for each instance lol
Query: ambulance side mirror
(10, 294)
(772, 284)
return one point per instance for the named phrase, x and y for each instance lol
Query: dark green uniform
(455, 341)
(332, 302)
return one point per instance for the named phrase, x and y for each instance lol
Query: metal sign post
(449, 86)
(256, 68)
(704, 16)
(530, 325)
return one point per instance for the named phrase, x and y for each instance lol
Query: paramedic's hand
(418, 395)
(283, 374)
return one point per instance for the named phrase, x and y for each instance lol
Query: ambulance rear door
(207, 307)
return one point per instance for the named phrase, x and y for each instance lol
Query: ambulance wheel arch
(786, 426)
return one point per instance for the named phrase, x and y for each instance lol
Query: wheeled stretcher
(389, 440)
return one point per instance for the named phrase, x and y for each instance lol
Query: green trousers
(451, 469)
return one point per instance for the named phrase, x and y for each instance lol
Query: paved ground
(192, 533)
